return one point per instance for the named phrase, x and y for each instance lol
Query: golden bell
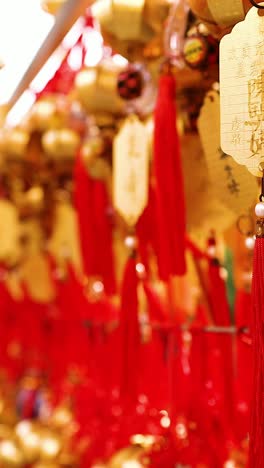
(52, 6)
(60, 143)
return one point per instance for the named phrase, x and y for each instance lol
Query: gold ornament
(99, 169)
(34, 199)
(220, 15)
(45, 115)
(62, 417)
(96, 88)
(50, 447)
(91, 149)
(61, 143)
(128, 457)
(13, 142)
(129, 26)
(10, 455)
(30, 445)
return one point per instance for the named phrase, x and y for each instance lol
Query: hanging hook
(253, 3)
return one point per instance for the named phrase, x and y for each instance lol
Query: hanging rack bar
(65, 19)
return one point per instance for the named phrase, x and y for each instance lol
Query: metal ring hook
(253, 3)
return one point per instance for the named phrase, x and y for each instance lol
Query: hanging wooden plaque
(232, 184)
(131, 170)
(204, 210)
(242, 92)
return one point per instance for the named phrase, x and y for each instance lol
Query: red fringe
(169, 183)
(129, 333)
(256, 453)
(95, 228)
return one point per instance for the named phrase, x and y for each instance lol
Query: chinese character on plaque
(242, 94)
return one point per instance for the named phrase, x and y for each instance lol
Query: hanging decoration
(231, 183)
(131, 170)
(241, 136)
(169, 180)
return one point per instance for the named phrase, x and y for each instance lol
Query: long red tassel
(217, 291)
(129, 333)
(169, 183)
(256, 456)
(95, 228)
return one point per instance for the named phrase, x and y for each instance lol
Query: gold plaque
(242, 92)
(232, 184)
(131, 170)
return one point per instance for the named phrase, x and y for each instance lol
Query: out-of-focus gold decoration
(127, 457)
(34, 269)
(61, 143)
(10, 455)
(10, 232)
(64, 242)
(47, 114)
(40, 442)
(129, 26)
(14, 141)
(220, 15)
(96, 88)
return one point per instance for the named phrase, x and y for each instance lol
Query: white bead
(259, 210)
(98, 287)
(212, 251)
(130, 242)
(141, 270)
(250, 242)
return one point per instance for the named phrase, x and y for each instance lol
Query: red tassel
(95, 229)
(129, 333)
(169, 183)
(256, 455)
(217, 289)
